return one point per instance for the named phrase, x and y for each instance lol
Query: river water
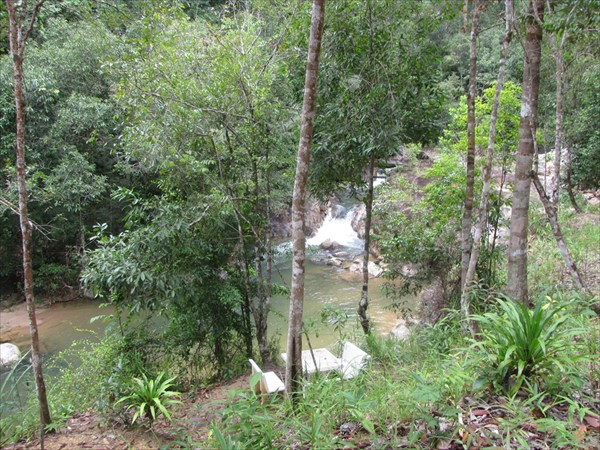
(63, 323)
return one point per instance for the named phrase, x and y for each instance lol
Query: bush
(150, 397)
(522, 344)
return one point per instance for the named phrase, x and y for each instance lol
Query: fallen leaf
(580, 433)
(480, 412)
(593, 422)
(444, 445)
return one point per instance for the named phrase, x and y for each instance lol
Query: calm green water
(63, 323)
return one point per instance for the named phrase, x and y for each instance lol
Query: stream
(63, 323)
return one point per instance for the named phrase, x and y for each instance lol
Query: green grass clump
(150, 398)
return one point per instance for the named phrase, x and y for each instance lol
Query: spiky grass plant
(520, 343)
(151, 397)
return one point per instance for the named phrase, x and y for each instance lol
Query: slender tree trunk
(517, 250)
(467, 219)
(261, 308)
(560, 81)
(245, 270)
(570, 183)
(293, 369)
(497, 221)
(268, 241)
(364, 297)
(17, 39)
(487, 173)
(551, 213)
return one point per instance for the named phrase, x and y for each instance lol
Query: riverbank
(60, 319)
(90, 430)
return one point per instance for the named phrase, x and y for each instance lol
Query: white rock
(374, 269)
(9, 354)
(400, 331)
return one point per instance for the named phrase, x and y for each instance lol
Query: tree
(517, 249)
(293, 369)
(467, 220)
(70, 110)
(208, 112)
(21, 22)
(487, 173)
(377, 92)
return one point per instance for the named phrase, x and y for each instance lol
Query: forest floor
(479, 422)
(479, 427)
(190, 426)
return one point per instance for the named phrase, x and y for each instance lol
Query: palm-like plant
(151, 397)
(521, 343)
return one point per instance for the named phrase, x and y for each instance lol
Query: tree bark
(293, 369)
(248, 307)
(467, 219)
(560, 70)
(17, 38)
(364, 296)
(557, 49)
(570, 183)
(262, 307)
(268, 241)
(487, 173)
(551, 213)
(517, 250)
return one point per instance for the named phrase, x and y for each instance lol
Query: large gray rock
(9, 354)
(359, 220)
(400, 331)
(374, 269)
(328, 244)
(433, 301)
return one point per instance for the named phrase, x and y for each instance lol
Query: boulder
(356, 266)
(409, 270)
(433, 301)
(328, 244)
(358, 221)
(336, 211)
(341, 254)
(592, 197)
(336, 262)
(374, 269)
(9, 354)
(400, 331)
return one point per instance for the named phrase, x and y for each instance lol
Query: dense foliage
(161, 141)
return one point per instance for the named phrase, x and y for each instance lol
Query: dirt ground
(190, 426)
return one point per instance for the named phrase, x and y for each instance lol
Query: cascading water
(337, 229)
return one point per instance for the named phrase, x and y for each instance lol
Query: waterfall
(337, 228)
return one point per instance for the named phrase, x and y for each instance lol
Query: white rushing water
(337, 228)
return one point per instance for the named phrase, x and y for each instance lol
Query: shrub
(151, 397)
(522, 344)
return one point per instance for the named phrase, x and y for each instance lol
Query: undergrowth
(418, 395)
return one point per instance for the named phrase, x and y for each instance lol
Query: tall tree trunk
(496, 222)
(467, 219)
(560, 84)
(17, 38)
(268, 240)
(570, 182)
(364, 296)
(248, 307)
(551, 213)
(517, 250)
(487, 173)
(293, 369)
(558, 50)
(262, 308)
